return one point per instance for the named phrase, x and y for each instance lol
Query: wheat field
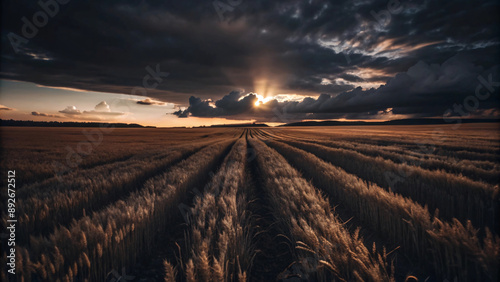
(348, 203)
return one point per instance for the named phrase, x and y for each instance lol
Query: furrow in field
(455, 151)
(121, 233)
(168, 257)
(425, 161)
(242, 133)
(446, 141)
(219, 237)
(421, 155)
(100, 162)
(322, 248)
(415, 144)
(454, 196)
(72, 198)
(236, 133)
(461, 153)
(264, 134)
(37, 170)
(255, 132)
(273, 253)
(458, 253)
(260, 134)
(277, 133)
(56, 182)
(426, 151)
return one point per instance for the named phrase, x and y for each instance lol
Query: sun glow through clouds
(262, 100)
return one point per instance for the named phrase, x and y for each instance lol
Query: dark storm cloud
(149, 102)
(107, 45)
(425, 90)
(232, 104)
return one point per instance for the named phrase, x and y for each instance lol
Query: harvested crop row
(419, 155)
(54, 183)
(263, 134)
(445, 140)
(219, 238)
(454, 151)
(417, 145)
(428, 151)
(454, 249)
(38, 168)
(469, 161)
(454, 196)
(38, 153)
(242, 134)
(425, 161)
(411, 141)
(258, 133)
(118, 235)
(323, 249)
(76, 195)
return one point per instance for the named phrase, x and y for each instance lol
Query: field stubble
(267, 209)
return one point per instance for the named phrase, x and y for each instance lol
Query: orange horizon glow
(153, 115)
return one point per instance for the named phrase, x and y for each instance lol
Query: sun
(261, 100)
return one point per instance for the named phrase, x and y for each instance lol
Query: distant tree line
(421, 121)
(240, 125)
(12, 122)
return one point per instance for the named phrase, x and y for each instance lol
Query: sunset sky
(189, 63)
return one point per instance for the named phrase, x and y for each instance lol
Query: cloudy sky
(174, 63)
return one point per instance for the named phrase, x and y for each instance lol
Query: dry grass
(131, 186)
(79, 193)
(119, 234)
(421, 158)
(454, 196)
(219, 240)
(44, 146)
(455, 249)
(323, 248)
(479, 138)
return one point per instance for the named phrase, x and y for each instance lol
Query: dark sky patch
(428, 54)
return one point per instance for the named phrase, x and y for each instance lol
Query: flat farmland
(344, 203)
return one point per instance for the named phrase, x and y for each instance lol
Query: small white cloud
(102, 107)
(101, 110)
(326, 81)
(5, 108)
(71, 110)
